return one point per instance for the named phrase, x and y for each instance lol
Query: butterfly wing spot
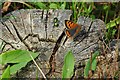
(70, 24)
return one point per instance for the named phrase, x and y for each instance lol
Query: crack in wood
(42, 14)
(20, 37)
(46, 19)
(8, 29)
(40, 39)
(52, 62)
(8, 43)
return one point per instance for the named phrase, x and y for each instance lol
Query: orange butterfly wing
(70, 25)
(68, 33)
(72, 28)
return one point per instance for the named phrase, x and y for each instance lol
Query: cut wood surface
(34, 30)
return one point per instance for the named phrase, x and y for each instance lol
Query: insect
(72, 29)
(56, 22)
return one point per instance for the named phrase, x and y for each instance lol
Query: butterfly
(72, 29)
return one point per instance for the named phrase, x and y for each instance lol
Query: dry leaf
(5, 6)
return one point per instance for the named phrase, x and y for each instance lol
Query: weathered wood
(34, 30)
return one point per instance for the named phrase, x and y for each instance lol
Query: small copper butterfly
(72, 29)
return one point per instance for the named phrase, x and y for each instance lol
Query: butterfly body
(72, 29)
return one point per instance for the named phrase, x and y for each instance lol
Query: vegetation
(107, 11)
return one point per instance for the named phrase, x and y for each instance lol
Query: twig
(38, 67)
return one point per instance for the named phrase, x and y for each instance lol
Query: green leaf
(94, 64)
(113, 32)
(68, 66)
(88, 64)
(63, 6)
(53, 6)
(89, 9)
(6, 74)
(110, 33)
(20, 58)
(92, 16)
(16, 67)
(113, 23)
(0, 59)
(105, 7)
(41, 5)
(16, 56)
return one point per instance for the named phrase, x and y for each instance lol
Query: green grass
(108, 12)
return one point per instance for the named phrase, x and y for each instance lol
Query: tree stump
(36, 30)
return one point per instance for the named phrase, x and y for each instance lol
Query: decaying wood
(34, 30)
